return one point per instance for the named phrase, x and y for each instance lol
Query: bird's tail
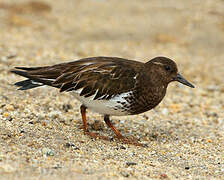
(36, 77)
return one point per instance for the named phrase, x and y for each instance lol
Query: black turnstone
(110, 86)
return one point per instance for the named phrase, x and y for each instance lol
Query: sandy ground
(40, 129)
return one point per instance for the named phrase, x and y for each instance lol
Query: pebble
(165, 111)
(69, 145)
(125, 174)
(47, 152)
(66, 107)
(6, 114)
(9, 107)
(123, 147)
(163, 176)
(131, 163)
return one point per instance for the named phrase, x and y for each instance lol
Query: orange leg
(110, 125)
(83, 112)
(85, 128)
(119, 135)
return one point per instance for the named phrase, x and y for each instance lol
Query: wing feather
(103, 76)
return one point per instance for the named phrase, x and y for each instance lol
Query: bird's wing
(104, 77)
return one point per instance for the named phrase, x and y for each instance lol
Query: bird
(110, 86)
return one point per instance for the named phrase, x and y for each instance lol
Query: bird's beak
(181, 79)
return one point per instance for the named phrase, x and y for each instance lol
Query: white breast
(112, 107)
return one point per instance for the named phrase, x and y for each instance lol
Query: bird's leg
(110, 125)
(83, 112)
(119, 135)
(85, 128)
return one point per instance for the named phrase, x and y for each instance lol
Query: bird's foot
(125, 140)
(131, 140)
(96, 136)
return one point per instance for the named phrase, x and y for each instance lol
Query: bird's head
(165, 70)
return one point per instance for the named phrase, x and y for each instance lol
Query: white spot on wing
(79, 90)
(36, 83)
(87, 63)
(135, 77)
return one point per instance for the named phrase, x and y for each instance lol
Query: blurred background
(188, 125)
(190, 32)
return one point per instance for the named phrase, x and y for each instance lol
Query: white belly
(106, 107)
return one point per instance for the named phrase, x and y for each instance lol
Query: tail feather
(27, 84)
(29, 68)
(21, 73)
(33, 78)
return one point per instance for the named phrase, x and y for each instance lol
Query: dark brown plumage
(107, 85)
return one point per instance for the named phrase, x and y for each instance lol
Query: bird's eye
(167, 68)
